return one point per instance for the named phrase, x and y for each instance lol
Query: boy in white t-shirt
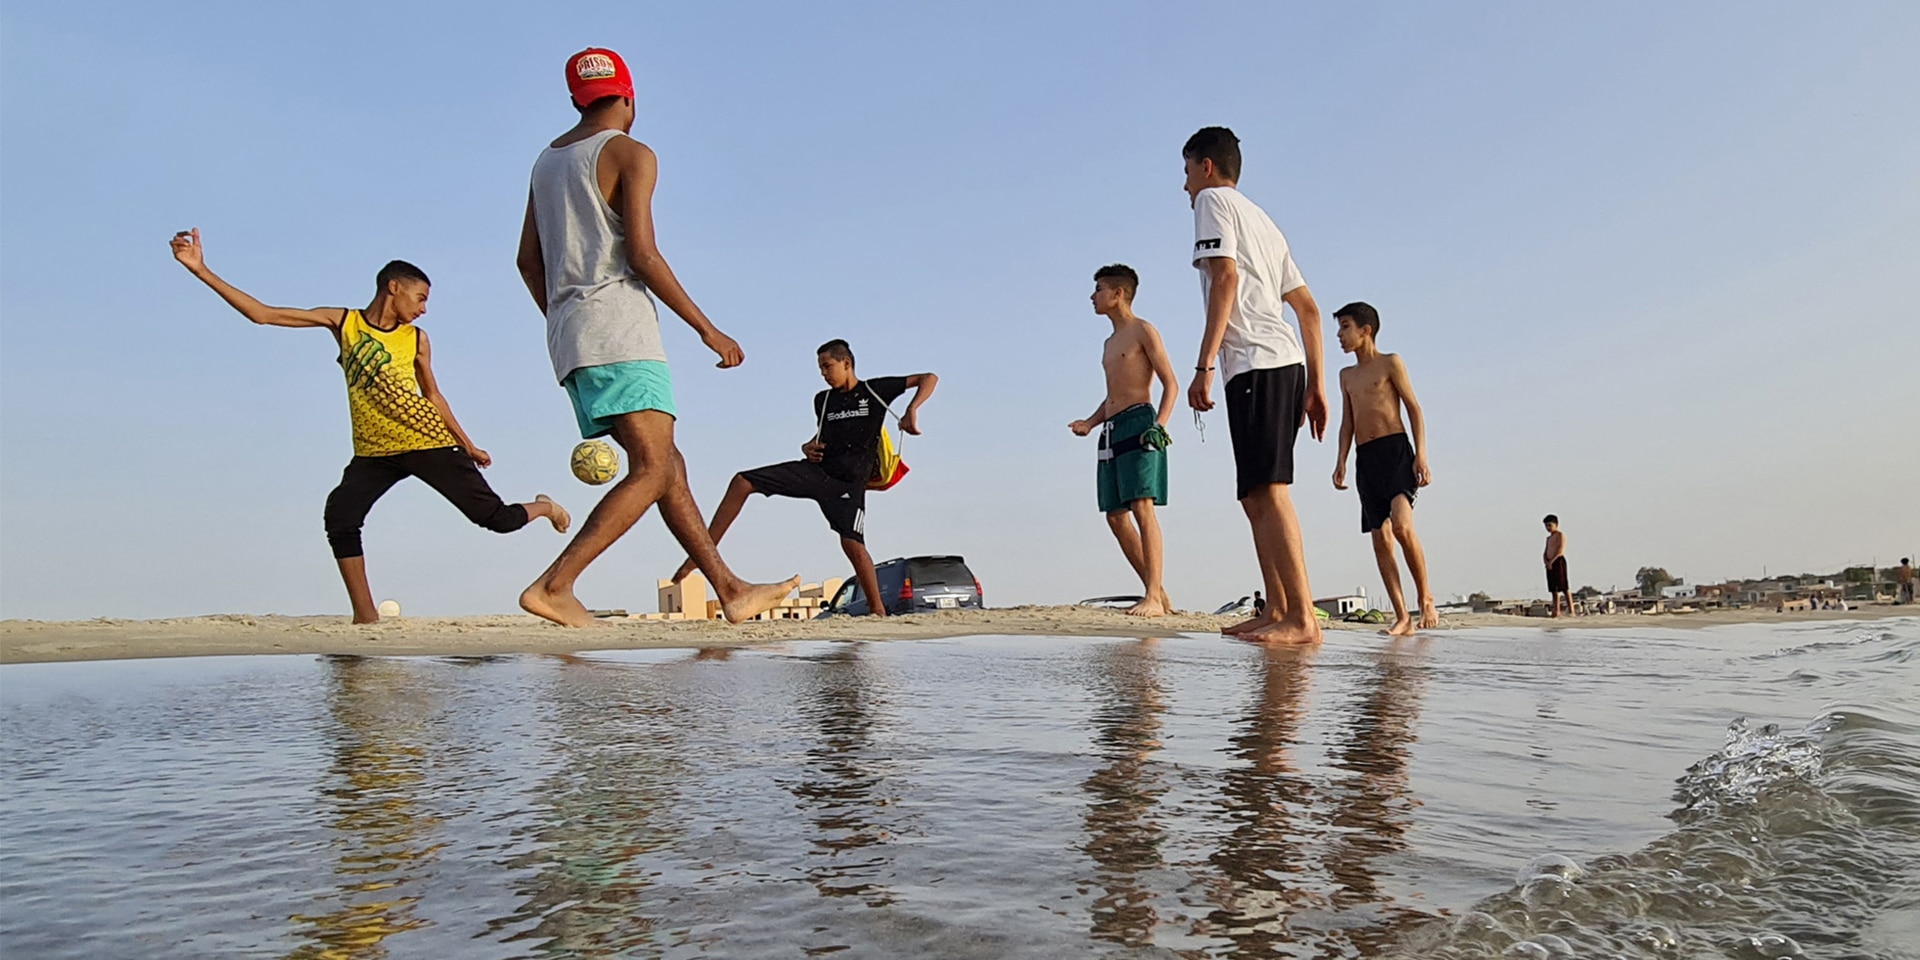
(1273, 385)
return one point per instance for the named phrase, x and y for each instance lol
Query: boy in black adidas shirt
(840, 459)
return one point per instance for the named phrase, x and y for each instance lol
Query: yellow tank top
(383, 395)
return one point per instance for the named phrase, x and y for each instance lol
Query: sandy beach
(34, 641)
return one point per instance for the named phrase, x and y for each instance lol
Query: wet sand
(34, 641)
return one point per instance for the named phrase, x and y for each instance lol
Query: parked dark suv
(913, 585)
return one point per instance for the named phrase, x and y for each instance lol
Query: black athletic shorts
(1384, 471)
(1263, 415)
(842, 502)
(1557, 575)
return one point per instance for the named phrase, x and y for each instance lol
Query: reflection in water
(1260, 854)
(609, 804)
(1278, 902)
(1375, 808)
(374, 786)
(1122, 838)
(839, 788)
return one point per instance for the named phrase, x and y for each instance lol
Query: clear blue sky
(1652, 268)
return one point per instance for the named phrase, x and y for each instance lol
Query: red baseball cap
(597, 72)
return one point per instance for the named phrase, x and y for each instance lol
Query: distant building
(1342, 605)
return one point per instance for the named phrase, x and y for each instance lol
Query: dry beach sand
(33, 641)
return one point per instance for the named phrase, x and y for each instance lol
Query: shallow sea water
(1744, 792)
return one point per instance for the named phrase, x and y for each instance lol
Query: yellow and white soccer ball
(595, 462)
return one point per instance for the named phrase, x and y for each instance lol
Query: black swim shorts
(1263, 416)
(1557, 575)
(843, 503)
(1383, 469)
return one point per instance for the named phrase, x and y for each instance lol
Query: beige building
(692, 599)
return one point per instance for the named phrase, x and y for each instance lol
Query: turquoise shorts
(602, 393)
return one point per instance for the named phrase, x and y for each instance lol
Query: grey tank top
(598, 311)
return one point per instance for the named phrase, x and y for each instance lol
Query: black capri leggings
(448, 470)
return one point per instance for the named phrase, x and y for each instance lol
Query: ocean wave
(1789, 843)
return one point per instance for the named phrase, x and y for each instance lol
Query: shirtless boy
(839, 460)
(1131, 475)
(590, 261)
(402, 424)
(1391, 470)
(1555, 558)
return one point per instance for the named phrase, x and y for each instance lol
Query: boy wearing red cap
(588, 256)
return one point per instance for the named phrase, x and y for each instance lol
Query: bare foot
(561, 608)
(369, 618)
(1429, 614)
(1150, 607)
(685, 571)
(1285, 633)
(1402, 627)
(757, 599)
(1251, 623)
(560, 518)
(1166, 602)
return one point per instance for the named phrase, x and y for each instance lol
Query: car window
(941, 571)
(849, 591)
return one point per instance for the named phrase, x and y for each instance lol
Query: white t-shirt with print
(1227, 224)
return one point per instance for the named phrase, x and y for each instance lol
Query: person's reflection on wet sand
(1122, 838)
(1266, 799)
(1301, 861)
(610, 803)
(1373, 808)
(842, 777)
(381, 717)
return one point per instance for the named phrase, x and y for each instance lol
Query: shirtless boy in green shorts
(1132, 471)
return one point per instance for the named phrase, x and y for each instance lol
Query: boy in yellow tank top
(402, 425)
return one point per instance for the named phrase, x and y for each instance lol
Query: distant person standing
(1904, 576)
(1259, 603)
(588, 256)
(1391, 468)
(1130, 469)
(1272, 373)
(1556, 561)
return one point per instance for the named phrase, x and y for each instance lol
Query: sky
(1650, 267)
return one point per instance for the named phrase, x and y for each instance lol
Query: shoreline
(36, 641)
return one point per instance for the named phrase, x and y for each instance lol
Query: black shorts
(1263, 416)
(447, 470)
(1557, 575)
(842, 502)
(1383, 470)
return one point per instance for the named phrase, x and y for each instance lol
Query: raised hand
(187, 250)
(726, 348)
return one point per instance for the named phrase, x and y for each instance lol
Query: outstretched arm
(187, 250)
(423, 369)
(639, 173)
(922, 385)
(531, 261)
(1081, 428)
(1162, 368)
(430, 389)
(1404, 387)
(1307, 312)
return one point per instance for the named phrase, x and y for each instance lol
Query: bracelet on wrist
(1203, 369)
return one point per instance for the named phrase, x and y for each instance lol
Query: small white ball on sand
(389, 608)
